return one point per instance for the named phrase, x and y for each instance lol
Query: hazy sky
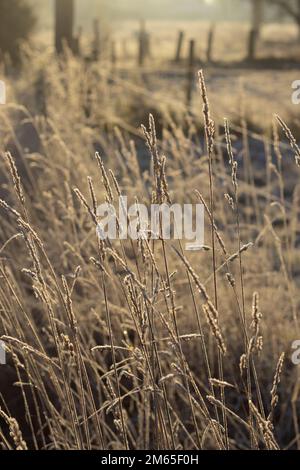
(148, 9)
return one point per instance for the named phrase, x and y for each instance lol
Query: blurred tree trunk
(257, 15)
(64, 24)
(257, 20)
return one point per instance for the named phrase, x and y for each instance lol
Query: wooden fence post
(96, 41)
(113, 52)
(77, 42)
(179, 47)
(190, 72)
(210, 43)
(143, 44)
(253, 37)
(64, 24)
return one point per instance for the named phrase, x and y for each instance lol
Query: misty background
(209, 10)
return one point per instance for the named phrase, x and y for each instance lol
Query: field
(141, 344)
